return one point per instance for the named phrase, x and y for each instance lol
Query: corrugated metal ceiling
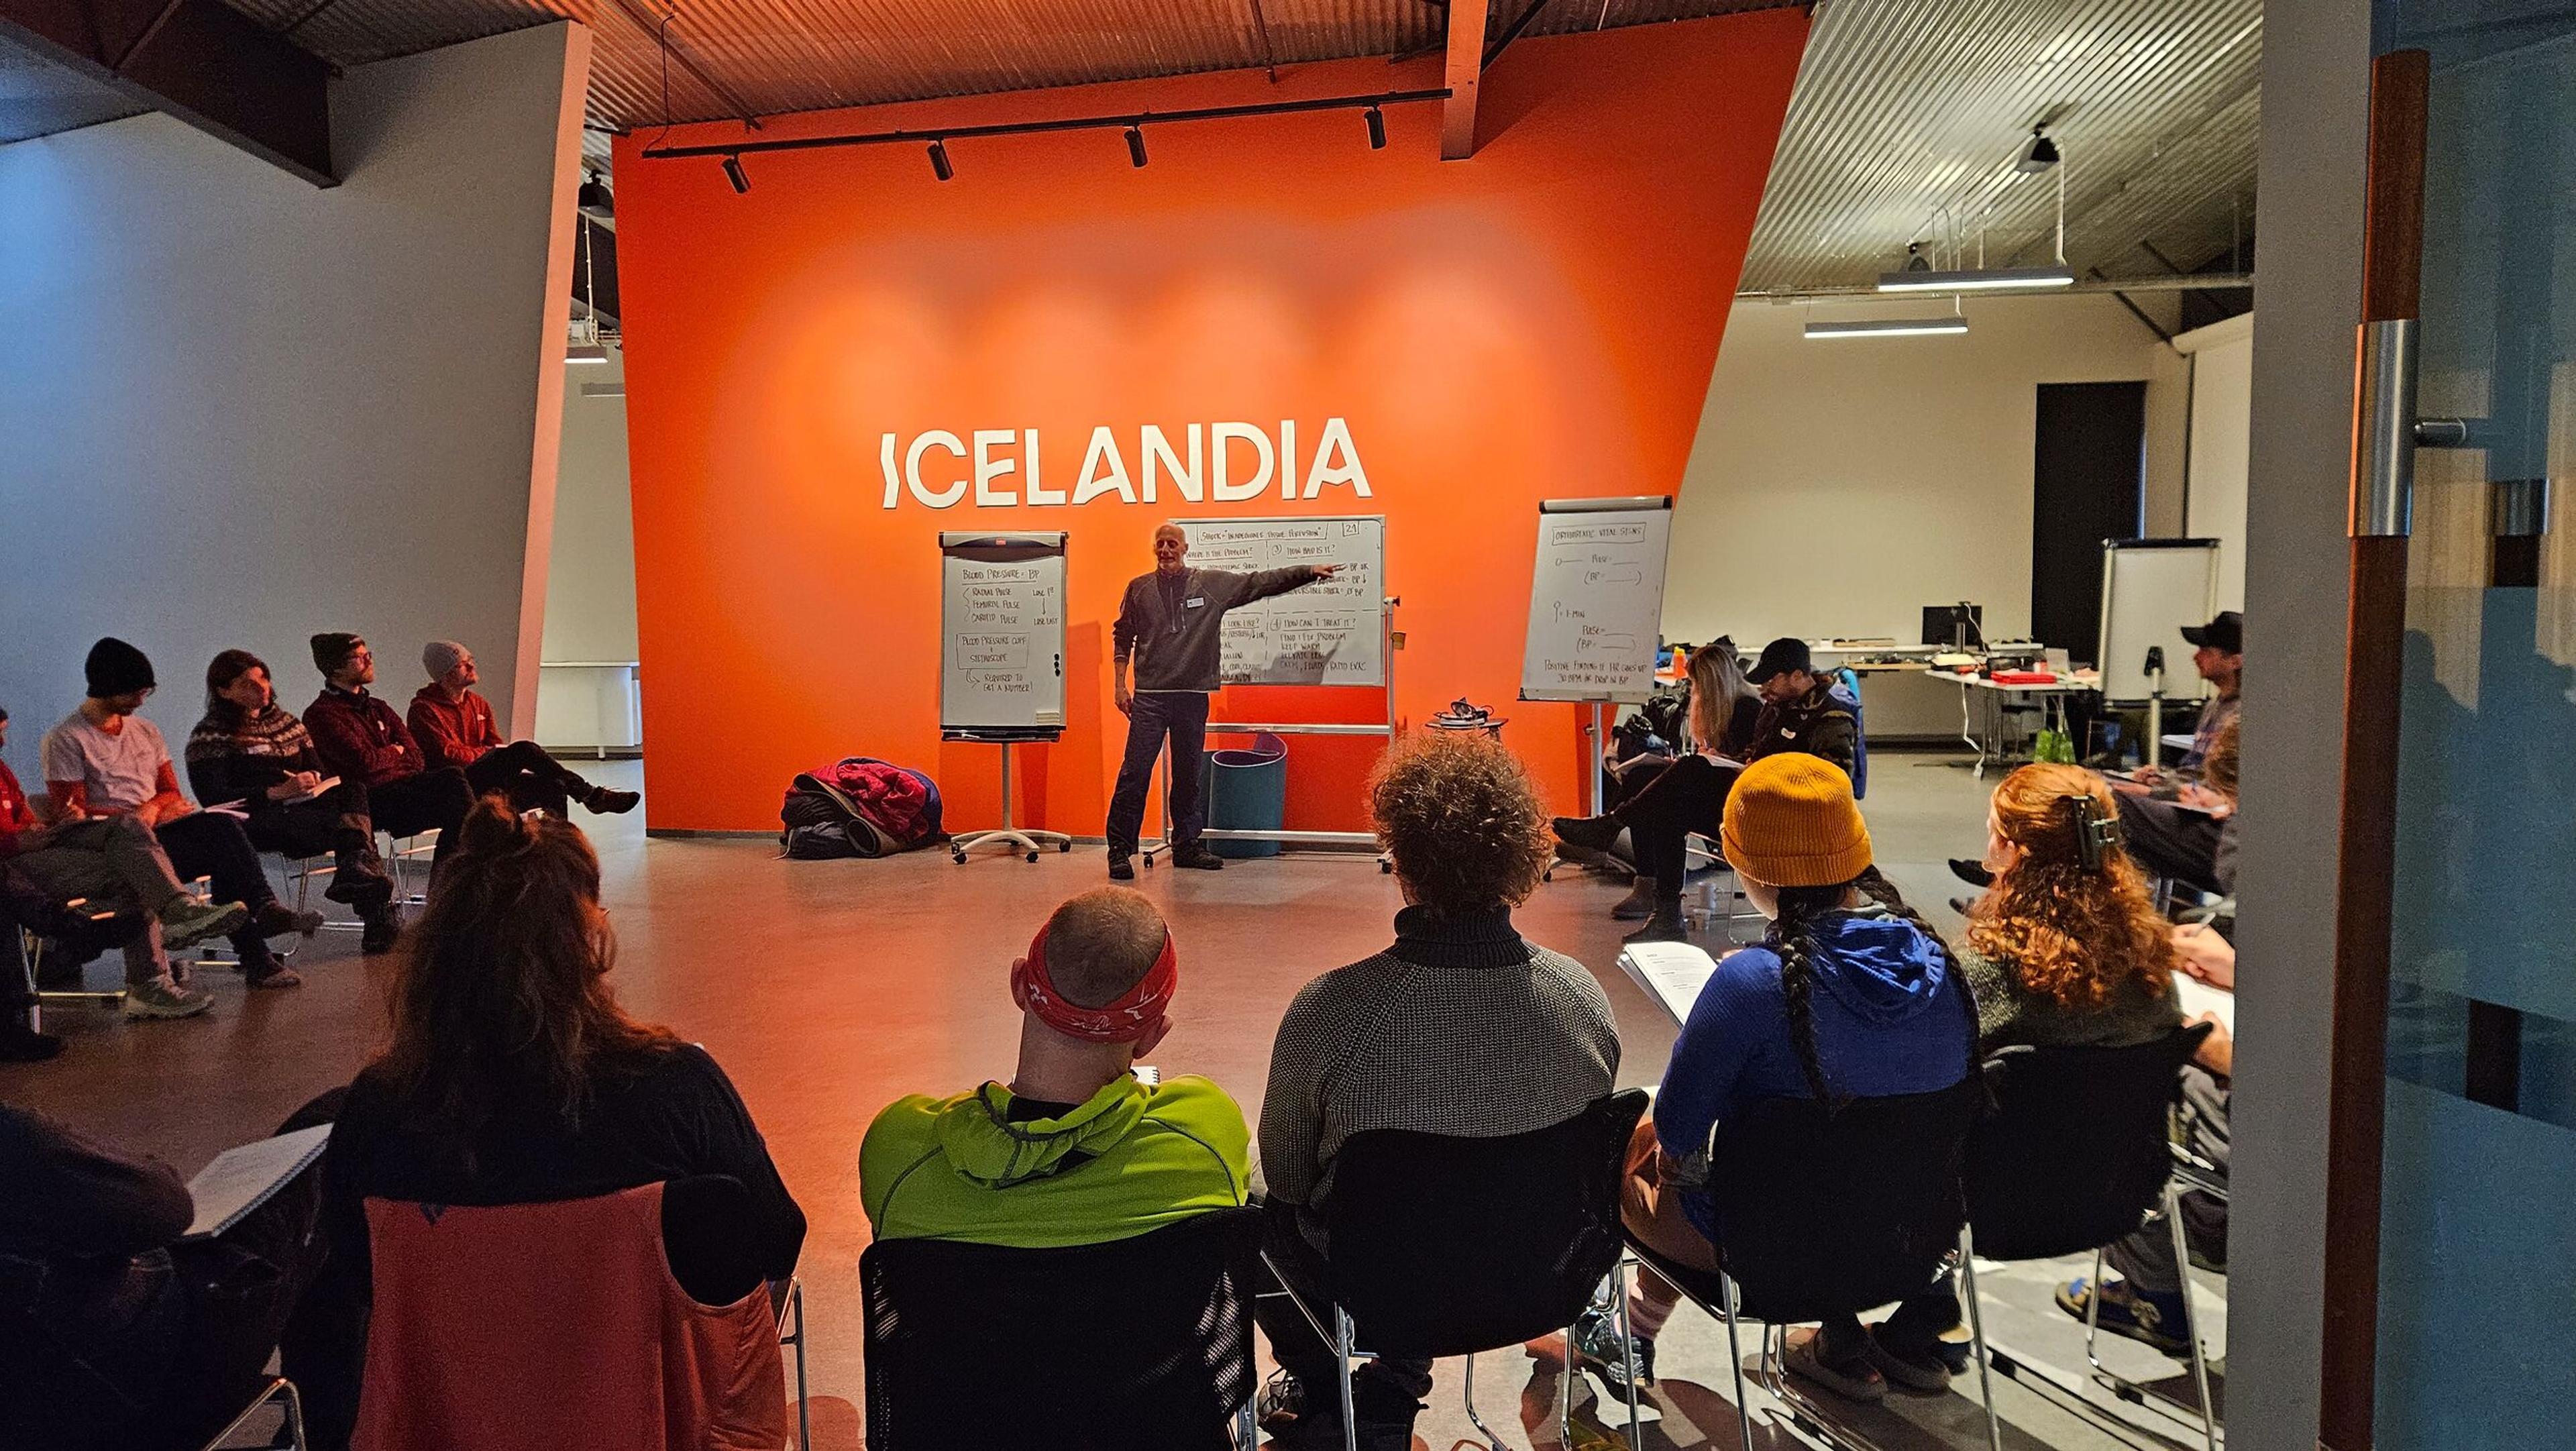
(1905, 106)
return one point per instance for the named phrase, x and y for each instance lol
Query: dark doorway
(2088, 484)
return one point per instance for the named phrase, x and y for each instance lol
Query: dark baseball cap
(1780, 656)
(2227, 633)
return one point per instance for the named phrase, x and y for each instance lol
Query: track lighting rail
(1125, 121)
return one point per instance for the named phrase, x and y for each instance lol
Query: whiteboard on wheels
(1001, 630)
(1331, 632)
(1596, 599)
(2151, 589)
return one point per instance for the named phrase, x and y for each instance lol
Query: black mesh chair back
(2076, 1149)
(1139, 1342)
(1447, 1246)
(1831, 1209)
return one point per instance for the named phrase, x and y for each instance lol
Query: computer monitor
(1960, 626)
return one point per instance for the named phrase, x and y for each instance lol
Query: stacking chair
(1447, 1246)
(33, 955)
(2191, 1174)
(2075, 1156)
(274, 1390)
(632, 1319)
(1826, 1210)
(1145, 1341)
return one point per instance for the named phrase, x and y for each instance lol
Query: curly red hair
(2074, 934)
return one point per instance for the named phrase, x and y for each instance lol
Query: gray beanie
(440, 656)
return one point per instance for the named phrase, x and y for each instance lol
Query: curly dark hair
(1463, 822)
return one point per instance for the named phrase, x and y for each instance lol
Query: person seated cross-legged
(1076, 1148)
(361, 739)
(453, 724)
(247, 749)
(1848, 995)
(1460, 1027)
(103, 762)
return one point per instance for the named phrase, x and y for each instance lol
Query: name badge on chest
(1194, 602)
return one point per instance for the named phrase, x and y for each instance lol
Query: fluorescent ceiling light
(586, 353)
(1981, 279)
(1889, 327)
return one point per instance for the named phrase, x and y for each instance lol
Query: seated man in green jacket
(1087, 1149)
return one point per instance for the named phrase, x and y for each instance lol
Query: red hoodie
(15, 817)
(452, 732)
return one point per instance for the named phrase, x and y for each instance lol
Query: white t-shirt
(122, 771)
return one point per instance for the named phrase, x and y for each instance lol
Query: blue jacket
(1891, 1017)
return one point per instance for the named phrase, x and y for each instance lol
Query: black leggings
(1690, 796)
(531, 779)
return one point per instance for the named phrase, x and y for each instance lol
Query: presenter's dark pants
(2172, 841)
(1182, 716)
(531, 779)
(1690, 795)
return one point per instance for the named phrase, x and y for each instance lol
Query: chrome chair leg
(1735, 1359)
(1342, 1364)
(1492, 1441)
(1627, 1342)
(278, 1388)
(1977, 1336)
(2190, 1321)
(795, 1315)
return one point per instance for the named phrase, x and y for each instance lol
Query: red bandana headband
(1136, 1013)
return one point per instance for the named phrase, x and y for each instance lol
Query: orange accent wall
(1537, 321)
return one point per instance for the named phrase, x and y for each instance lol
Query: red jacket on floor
(452, 732)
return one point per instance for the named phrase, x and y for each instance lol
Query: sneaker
(1853, 1378)
(365, 891)
(609, 801)
(1665, 925)
(1973, 873)
(1916, 1364)
(1283, 1399)
(1597, 1344)
(188, 921)
(276, 919)
(1639, 904)
(163, 998)
(1197, 859)
(1121, 869)
(1594, 834)
(2138, 1314)
(274, 974)
(22, 1044)
(382, 930)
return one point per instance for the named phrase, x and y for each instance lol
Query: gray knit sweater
(1461, 1027)
(2008, 1015)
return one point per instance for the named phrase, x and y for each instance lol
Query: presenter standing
(1169, 624)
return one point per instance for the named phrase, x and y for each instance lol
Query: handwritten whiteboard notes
(1332, 632)
(1596, 599)
(1002, 621)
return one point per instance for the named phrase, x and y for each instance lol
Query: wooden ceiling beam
(1465, 68)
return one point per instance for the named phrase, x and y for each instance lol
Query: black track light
(2039, 155)
(734, 173)
(595, 200)
(1136, 145)
(939, 166)
(1377, 129)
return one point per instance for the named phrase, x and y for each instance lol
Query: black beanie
(332, 649)
(116, 668)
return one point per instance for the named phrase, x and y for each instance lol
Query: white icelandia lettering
(1232, 462)
(1226, 490)
(989, 468)
(935, 438)
(1093, 483)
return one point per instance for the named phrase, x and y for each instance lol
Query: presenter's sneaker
(1973, 873)
(1639, 904)
(609, 801)
(1121, 869)
(189, 921)
(163, 998)
(1587, 837)
(1198, 859)
(276, 919)
(2142, 1315)
(1664, 924)
(1844, 1370)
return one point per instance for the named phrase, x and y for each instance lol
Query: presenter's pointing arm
(1268, 582)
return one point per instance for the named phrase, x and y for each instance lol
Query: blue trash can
(1247, 790)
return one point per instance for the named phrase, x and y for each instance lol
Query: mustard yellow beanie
(1791, 822)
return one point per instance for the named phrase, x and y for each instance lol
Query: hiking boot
(609, 801)
(355, 884)
(22, 1044)
(272, 974)
(383, 928)
(276, 919)
(1850, 1376)
(1639, 904)
(2144, 1316)
(1589, 836)
(1596, 1343)
(163, 998)
(1197, 858)
(188, 921)
(1664, 925)
(1121, 869)
(1283, 1396)
(1973, 873)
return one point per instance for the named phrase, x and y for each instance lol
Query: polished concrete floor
(827, 988)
